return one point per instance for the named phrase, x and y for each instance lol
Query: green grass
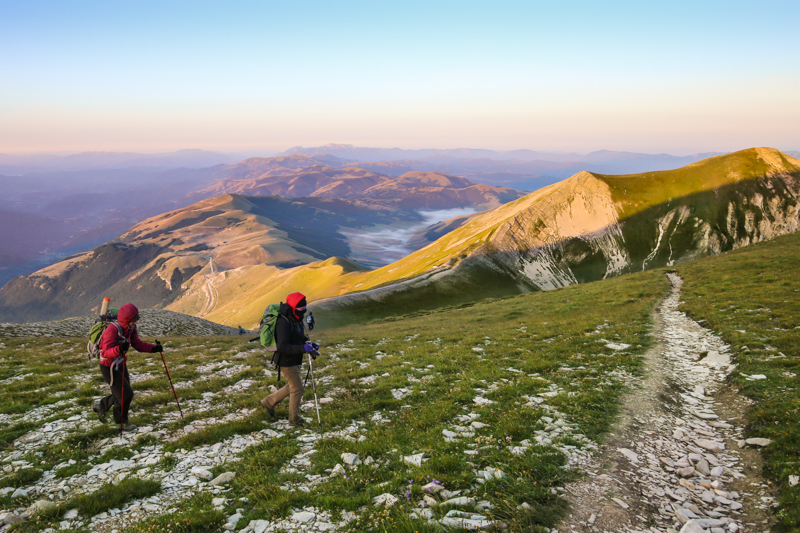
(22, 477)
(751, 297)
(194, 516)
(109, 496)
(112, 495)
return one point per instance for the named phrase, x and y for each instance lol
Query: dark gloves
(123, 347)
(157, 348)
(315, 345)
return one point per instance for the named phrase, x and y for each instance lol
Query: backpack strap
(120, 330)
(275, 357)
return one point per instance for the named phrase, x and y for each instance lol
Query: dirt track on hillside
(673, 460)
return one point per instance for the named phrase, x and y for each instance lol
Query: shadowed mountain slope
(586, 228)
(151, 262)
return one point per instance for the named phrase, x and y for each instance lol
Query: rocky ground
(677, 460)
(153, 323)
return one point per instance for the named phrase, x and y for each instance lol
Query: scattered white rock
(385, 499)
(414, 460)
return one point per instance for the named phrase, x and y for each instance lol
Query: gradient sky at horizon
(677, 77)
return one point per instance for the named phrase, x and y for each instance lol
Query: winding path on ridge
(210, 290)
(673, 461)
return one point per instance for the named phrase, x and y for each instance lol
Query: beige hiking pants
(293, 389)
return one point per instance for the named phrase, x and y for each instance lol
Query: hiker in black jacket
(291, 345)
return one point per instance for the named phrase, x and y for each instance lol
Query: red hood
(126, 313)
(294, 299)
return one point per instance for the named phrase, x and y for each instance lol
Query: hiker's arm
(283, 330)
(139, 344)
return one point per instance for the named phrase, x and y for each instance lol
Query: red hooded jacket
(109, 341)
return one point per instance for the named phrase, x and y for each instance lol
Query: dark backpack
(99, 326)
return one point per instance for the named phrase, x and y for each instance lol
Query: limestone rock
(414, 460)
(223, 479)
(40, 506)
(202, 473)
(758, 442)
(9, 518)
(692, 526)
(385, 499)
(304, 517)
(351, 459)
(630, 454)
(710, 445)
(433, 488)
(461, 501)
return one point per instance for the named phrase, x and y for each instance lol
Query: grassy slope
(751, 298)
(636, 192)
(245, 293)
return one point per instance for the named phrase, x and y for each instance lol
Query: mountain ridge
(560, 235)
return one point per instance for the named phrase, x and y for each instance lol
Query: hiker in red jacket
(114, 343)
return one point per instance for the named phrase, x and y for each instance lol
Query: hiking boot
(101, 415)
(270, 410)
(127, 426)
(297, 423)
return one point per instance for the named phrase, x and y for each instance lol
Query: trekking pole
(170, 381)
(122, 397)
(314, 383)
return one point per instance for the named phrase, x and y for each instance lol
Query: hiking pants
(114, 399)
(293, 389)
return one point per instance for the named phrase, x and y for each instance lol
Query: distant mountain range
(16, 165)
(303, 176)
(226, 257)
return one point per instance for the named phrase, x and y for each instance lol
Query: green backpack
(267, 333)
(99, 326)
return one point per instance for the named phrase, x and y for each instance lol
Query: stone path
(677, 458)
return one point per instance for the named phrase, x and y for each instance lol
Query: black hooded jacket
(289, 338)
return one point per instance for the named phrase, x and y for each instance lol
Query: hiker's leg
(128, 396)
(116, 390)
(276, 397)
(295, 379)
(108, 402)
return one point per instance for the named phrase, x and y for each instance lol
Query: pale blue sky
(678, 77)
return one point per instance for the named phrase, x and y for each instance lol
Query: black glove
(157, 348)
(315, 345)
(123, 346)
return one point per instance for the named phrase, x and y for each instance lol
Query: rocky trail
(677, 460)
